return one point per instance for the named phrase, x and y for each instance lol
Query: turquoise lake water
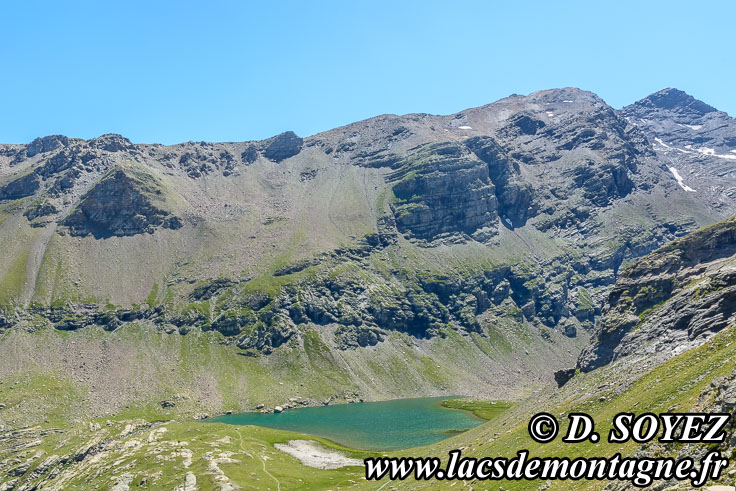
(386, 425)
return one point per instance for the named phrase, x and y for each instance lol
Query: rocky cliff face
(442, 188)
(670, 300)
(20, 187)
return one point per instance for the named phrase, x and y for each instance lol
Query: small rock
(278, 409)
(260, 406)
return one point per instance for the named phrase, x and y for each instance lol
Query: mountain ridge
(498, 229)
(43, 143)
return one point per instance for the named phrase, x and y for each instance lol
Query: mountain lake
(385, 425)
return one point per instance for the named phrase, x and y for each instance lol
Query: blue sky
(160, 71)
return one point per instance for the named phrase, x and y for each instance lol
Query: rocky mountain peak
(677, 101)
(111, 142)
(566, 94)
(46, 144)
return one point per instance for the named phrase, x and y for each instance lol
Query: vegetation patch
(487, 410)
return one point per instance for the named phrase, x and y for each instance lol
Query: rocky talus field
(545, 249)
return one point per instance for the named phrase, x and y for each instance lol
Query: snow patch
(659, 140)
(508, 221)
(679, 179)
(694, 127)
(550, 114)
(465, 128)
(568, 101)
(712, 153)
(703, 151)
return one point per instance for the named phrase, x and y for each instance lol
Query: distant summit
(677, 101)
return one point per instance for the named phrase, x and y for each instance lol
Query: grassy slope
(246, 456)
(137, 366)
(673, 386)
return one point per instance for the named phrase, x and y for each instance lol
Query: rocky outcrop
(201, 159)
(522, 124)
(233, 321)
(670, 300)
(121, 204)
(282, 146)
(249, 155)
(23, 186)
(513, 194)
(602, 183)
(365, 306)
(267, 336)
(442, 188)
(111, 142)
(348, 337)
(209, 289)
(45, 144)
(40, 209)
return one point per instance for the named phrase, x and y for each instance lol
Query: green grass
(585, 300)
(11, 208)
(202, 308)
(487, 410)
(677, 384)
(48, 397)
(11, 283)
(151, 300)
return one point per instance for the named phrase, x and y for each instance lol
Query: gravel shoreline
(313, 454)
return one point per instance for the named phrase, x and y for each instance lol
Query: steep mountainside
(671, 300)
(472, 250)
(665, 343)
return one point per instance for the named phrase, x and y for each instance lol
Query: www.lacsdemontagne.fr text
(640, 472)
